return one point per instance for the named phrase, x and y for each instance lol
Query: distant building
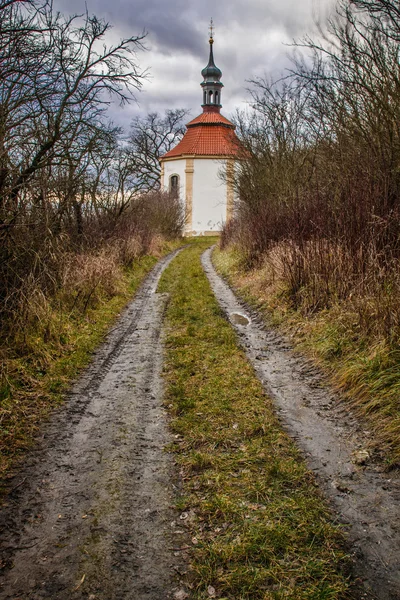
(193, 168)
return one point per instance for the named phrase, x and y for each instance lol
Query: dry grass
(348, 338)
(54, 337)
(60, 288)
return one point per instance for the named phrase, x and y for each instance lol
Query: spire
(211, 85)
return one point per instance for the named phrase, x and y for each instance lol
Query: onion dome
(211, 71)
(210, 134)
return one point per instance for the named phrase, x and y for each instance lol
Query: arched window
(210, 97)
(174, 185)
(216, 98)
(205, 97)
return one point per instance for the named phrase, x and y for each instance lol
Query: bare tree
(320, 184)
(58, 79)
(385, 14)
(150, 138)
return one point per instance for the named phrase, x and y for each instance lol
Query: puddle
(239, 319)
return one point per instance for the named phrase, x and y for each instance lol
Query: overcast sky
(251, 38)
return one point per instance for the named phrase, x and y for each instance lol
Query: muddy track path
(366, 500)
(90, 514)
(91, 510)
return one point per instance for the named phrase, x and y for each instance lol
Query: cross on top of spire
(211, 29)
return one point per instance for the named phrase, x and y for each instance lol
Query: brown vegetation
(320, 195)
(75, 215)
(58, 299)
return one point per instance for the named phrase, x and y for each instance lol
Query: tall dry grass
(43, 272)
(59, 292)
(319, 191)
(331, 250)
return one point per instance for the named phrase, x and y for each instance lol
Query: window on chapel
(174, 184)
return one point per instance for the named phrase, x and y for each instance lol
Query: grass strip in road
(259, 526)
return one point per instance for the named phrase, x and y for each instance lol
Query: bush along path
(39, 362)
(259, 526)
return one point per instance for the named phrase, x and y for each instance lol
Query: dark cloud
(250, 38)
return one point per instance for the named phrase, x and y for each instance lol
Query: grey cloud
(249, 42)
(183, 24)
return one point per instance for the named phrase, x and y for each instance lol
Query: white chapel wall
(209, 195)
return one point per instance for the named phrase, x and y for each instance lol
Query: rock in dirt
(181, 595)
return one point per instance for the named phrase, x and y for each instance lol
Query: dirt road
(366, 500)
(90, 515)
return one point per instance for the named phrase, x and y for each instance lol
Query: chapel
(200, 167)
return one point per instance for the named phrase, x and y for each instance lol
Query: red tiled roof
(209, 134)
(211, 117)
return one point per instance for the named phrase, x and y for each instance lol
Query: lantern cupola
(211, 85)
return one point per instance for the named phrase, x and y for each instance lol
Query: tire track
(90, 515)
(366, 500)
